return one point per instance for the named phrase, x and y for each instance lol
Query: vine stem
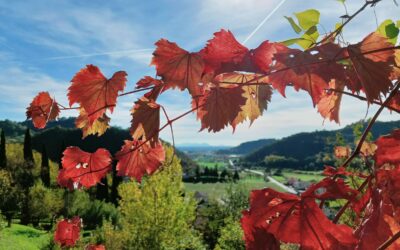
(366, 131)
(341, 211)
(371, 123)
(254, 81)
(136, 91)
(387, 243)
(168, 123)
(335, 33)
(362, 98)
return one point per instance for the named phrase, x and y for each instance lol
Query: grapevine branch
(363, 99)
(336, 32)
(62, 107)
(371, 123)
(343, 209)
(366, 131)
(254, 81)
(168, 123)
(387, 243)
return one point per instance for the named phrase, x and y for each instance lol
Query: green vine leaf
(308, 18)
(294, 25)
(389, 29)
(309, 38)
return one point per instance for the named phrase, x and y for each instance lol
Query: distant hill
(199, 147)
(60, 134)
(304, 146)
(247, 147)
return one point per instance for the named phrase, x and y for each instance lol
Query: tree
(45, 203)
(28, 154)
(197, 174)
(231, 236)
(3, 155)
(154, 214)
(62, 148)
(9, 196)
(224, 175)
(25, 178)
(102, 190)
(116, 180)
(45, 168)
(236, 176)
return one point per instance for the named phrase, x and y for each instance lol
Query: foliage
(92, 212)
(45, 168)
(231, 236)
(154, 214)
(9, 196)
(45, 203)
(229, 84)
(3, 154)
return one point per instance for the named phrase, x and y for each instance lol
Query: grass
(210, 164)
(217, 190)
(22, 237)
(301, 175)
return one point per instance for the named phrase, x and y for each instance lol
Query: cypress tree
(116, 180)
(62, 148)
(28, 154)
(3, 155)
(102, 190)
(45, 168)
(26, 178)
(198, 174)
(236, 176)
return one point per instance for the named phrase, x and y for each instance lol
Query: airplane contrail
(97, 54)
(263, 21)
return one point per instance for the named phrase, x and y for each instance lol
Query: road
(281, 185)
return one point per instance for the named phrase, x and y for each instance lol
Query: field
(301, 175)
(217, 190)
(19, 237)
(210, 164)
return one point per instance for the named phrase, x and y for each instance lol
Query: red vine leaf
(388, 151)
(177, 67)
(257, 238)
(394, 103)
(329, 188)
(342, 152)
(309, 70)
(222, 48)
(94, 92)
(257, 96)
(67, 232)
(329, 104)
(42, 109)
(83, 168)
(331, 171)
(388, 181)
(99, 126)
(145, 120)
(263, 55)
(360, 204)
(219, 107)
(95, 247)
(373, 69)
(148, 81)
(378, 224)
(298, 220)
(136, 159)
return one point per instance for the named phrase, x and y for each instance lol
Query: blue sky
(44, 43)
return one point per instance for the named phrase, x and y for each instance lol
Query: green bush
(92, 212)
